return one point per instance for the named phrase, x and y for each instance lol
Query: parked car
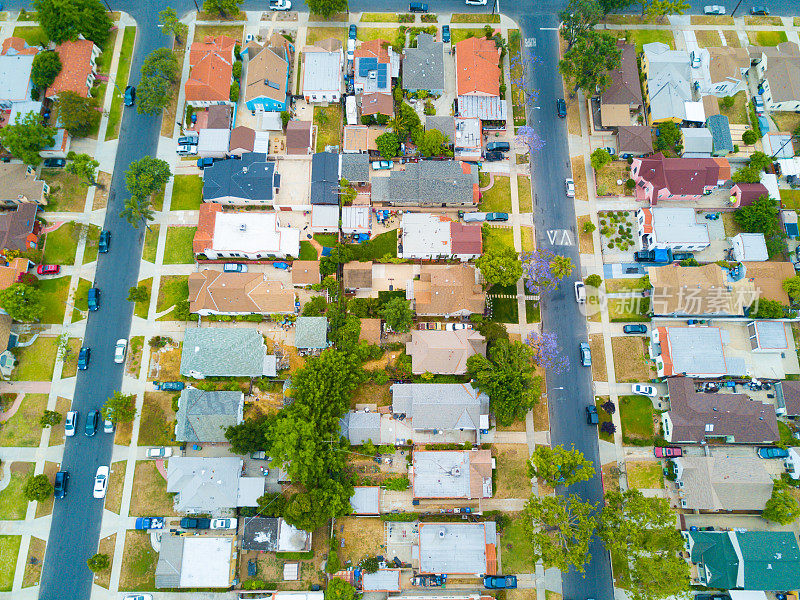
(714, 9)
(351, 49)
(109, 426)
(667, 451)
(159, 452)
(586, 354)
(191, 140)
(493, 156)
(644, 390)
(60, 484)
(611, 151)
(169, 386)
(104, 241)
(580, 292)
(474, 217)
(187, 149)
(498, 147)
(54, 163)
(445, 33)
(93, 299)
(100, 482)
(417, 7)
(202, 163)
(497, 216)
(92, 420)
(634, 328)
(130, 95)
(592, 418)
(143, 523)
(119, 351)
(499, 582)
(378, 165)
(193, 523)
(234, 268)
(758, 104)
(694, 58)
(280, 5)
(570, 187)
(138, 597)
(353, 31)
(83, 358)
(71, 423)
(476, 2)
(48, 269)
(760, 11)
(772, 452)
(224, 524)
(561, 108)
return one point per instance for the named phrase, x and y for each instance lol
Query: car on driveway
(378, 165)
(280, 5)
(586, 354)
(83, 358)
(500, 582)
(71, 423)
(119, 351)
(130, 95)
(644, 390)
(714, 9)
(92, 421)
(100, 482)
(54, 163)
(772, 452)
(493, 156)
(561, 108)
(104, 241)
(634, 328)
(667, 451)
(445, 33)
(234, 268)
(60, 484)
(187, 149)
(191, 140)
(159, 452)
(224, 524)
(497, 216)
(353, 31)
(48, 269)
(592, 418)
(569, 185)
(193, 523)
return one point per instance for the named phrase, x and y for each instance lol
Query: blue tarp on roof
(661, 255)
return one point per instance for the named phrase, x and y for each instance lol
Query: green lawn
(172, 290)
(636, 414)
(150, 244)
(54, 296)
(307, 251)
(60, 245)
(498, 197)
(157, 200)
(23, 429)
(767, 38)
(123, 70)
(458, 34)
(67, 190)
(494, 238)
(738, 112)
(13, 503)
(516, 550)
(474, 18)
(604, 416)
(532, 312)
(142, 308)
(36, 362)
(90, 249)
(35, 36)
(9, 549)
(639, 37)
(80, 300)
(645, 475)
(187, 192)
(790, 199)
(378, 247)
(379, 18)
(524, 193)
(107, 55)
(367, 34)
(505, 310)
(328, 240)
(786, 434)
(329, 126)
(623, 309)
(178, 249)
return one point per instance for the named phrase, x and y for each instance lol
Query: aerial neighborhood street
(452, 300)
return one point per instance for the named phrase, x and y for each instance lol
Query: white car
(187, 149)
(644, 390)
(100, 482)
(714, 9)
(580, 292)
(159, 452)
(476, 2)
(570, 185)
(224, 523)
(71, 423)
(119, 351)
(138, 597)
(280, 5)
(351, 49)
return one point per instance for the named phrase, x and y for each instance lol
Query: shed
(789, 220)
(383, 580)
(749, 247)
(697, 142)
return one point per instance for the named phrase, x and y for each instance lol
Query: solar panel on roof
(365, 65)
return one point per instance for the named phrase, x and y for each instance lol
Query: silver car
(714, 9)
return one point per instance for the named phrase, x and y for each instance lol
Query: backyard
(328, 120)
(380, 247)
(736, 112)
(359, 538)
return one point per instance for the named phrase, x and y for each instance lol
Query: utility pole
(737, 8)
(106, 3)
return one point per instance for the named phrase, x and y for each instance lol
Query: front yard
(60, 245)
(151, 495)
(495, 238)
(157, 420)
(173, 289)
(187, 192)
(138, 562)
(637, 416)
(512, 479)
(54, 298)
(516, 549)
(607, 178)
(178, 248)
(631, 359)
(67, 191)
(9, 549)
(645, 475)
(13, 503)
(498, 197)
(36, 361)
(23, 429)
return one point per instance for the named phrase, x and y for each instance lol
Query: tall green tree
(609, 6)
(222, 7)
(388, 144)
(26, 137)
(77, 114)
(398, 314)
(37, 488)
(578, 18)
(432, 143)
(759, 217)
(588, 62)
(22, 302)
(669, 137)
(251, 435)
(64, 20)
(137, 210)
(146, 176)
(326, 8)
(160, 71)
(600, 158)
(46, 67)
(561, 266)
(120, 408)
(792, 287)
(782, 507)
(660, 8)
(559, 466)
(83, 165)
(170, 24)
(500, 266)
(339, 589)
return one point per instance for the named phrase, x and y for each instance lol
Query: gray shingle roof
(446, 406)
(311, 332)
(170, 557)
(325, 178)
(260, 533)
(252, 177)
(358, 427)
(204, 416)
(423, 66)
(428, 182)
(444, 124)
(355, 167)
(212, 351)
(720, 133)
(203, 484)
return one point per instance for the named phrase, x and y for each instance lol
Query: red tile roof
(466, 239)
(477, 67)
(204, 236)
(374, 49)
(684, 176)
(19, 46)
(212, 67)
(76, 66)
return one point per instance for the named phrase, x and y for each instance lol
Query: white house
(673, 228)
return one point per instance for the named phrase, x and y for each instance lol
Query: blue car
(497, 216)
(353, 31)
(772, 452)
(83, 358)
(586, 354)
(446, 34)
(500, 582)
(130, 95)
(104, 241)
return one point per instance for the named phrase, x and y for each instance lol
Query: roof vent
(442, 532)
(242, 227)
(455, 471)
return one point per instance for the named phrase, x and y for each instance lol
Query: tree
(759, 217)
(223, 7)
(50, 418)
(315, 306)
(782, 507)
(600, 158)
(38, 488)
(326, 8)
(146, 176)
(593, 280)
(369, 564)
(313, 509)
(64, 20)
(251, 435)
(98, 562)
(406, 122)
(608, 427)
(398, 314)
(792, 286)
(760, 161)
(234, 92)
(546, 353)
(26, 137)
(578, 18)
(763, 308)
(588, 62)
(77, 114)
(160, 71)
(22, 302)
(559, 466)
(139, 294)
(85, 166)
(334, 563)
(609, 6)
(339, 589)
(561, 528)
(589, 227)
(749, 137)
(388, 144)
(136, 210)
(432, 143)
(561, 266)
(500, 266)
(669, 137)
(168, 19)
(660, 8)
(507, 377)
(120, 408)
(46, 67)
(543, 270)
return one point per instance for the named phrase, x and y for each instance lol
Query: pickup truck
(653, 256)
(149, 523)
(192, 523)
(202, 163)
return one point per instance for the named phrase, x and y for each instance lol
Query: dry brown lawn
(541, 416)
(57, 431)
(123, 434)
(573, 116)
(707, 38)
(45, 508)
(151, 495)
(169, 363)
(512, 471)
(372, 393)
(585, 239)
(157, 426)
(579, 177)
(599, 372)
(610, 477)
(135, 351)
(711, 20)
(608, 176)
(270, 567)
(106, 546)
(138, 562)
(631, 359)
(70, 365)
(116, 482)
(515, 426)
(362, 537)
(34, 571)
(101, 190)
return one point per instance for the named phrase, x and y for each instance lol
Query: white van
(474, 217)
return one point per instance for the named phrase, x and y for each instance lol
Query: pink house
(744, 194)
(683, 179)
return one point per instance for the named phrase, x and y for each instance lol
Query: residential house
(674, 228)
(311, 333)
(726, 68)
(322, 71)
(266, 88)
(325, 179)
(722, 483)
(697, 142)
(423, 66)
(244, 140)
(361, 426)
(357, 276)
(270, 534)
(668, 85)
(203, 484)
(216, 116)
(299, 137)
(15, 76)
(60, 147)
(219, 293)
(366, 501)
(463, 474)
(478, 80)
(697, 417)
(211, 75)
(213, 143)
(744, 194)
(442, 412)
(447, 290)
(787, 394)
(443, 352)
(434, 183)
(465, 136)
(19, 186)
(375, 64)
(636, 140)
(218, 352)
(252, 180)
(248, 235)
(360, 139)
(203, 416)
(722, 141)
(680, 179)
(458, 548)
(305, 272)
(427, 236)
(195, 561)
(377, 104)
(744, 560)
(19, 229)
(13, 273)
(354, 167)
(383, 581)
(78, 68)
(778, 71)
(624, 94)
(751, 247)
(8, 340)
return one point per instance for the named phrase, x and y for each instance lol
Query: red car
(667, 452)
(48, 269)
